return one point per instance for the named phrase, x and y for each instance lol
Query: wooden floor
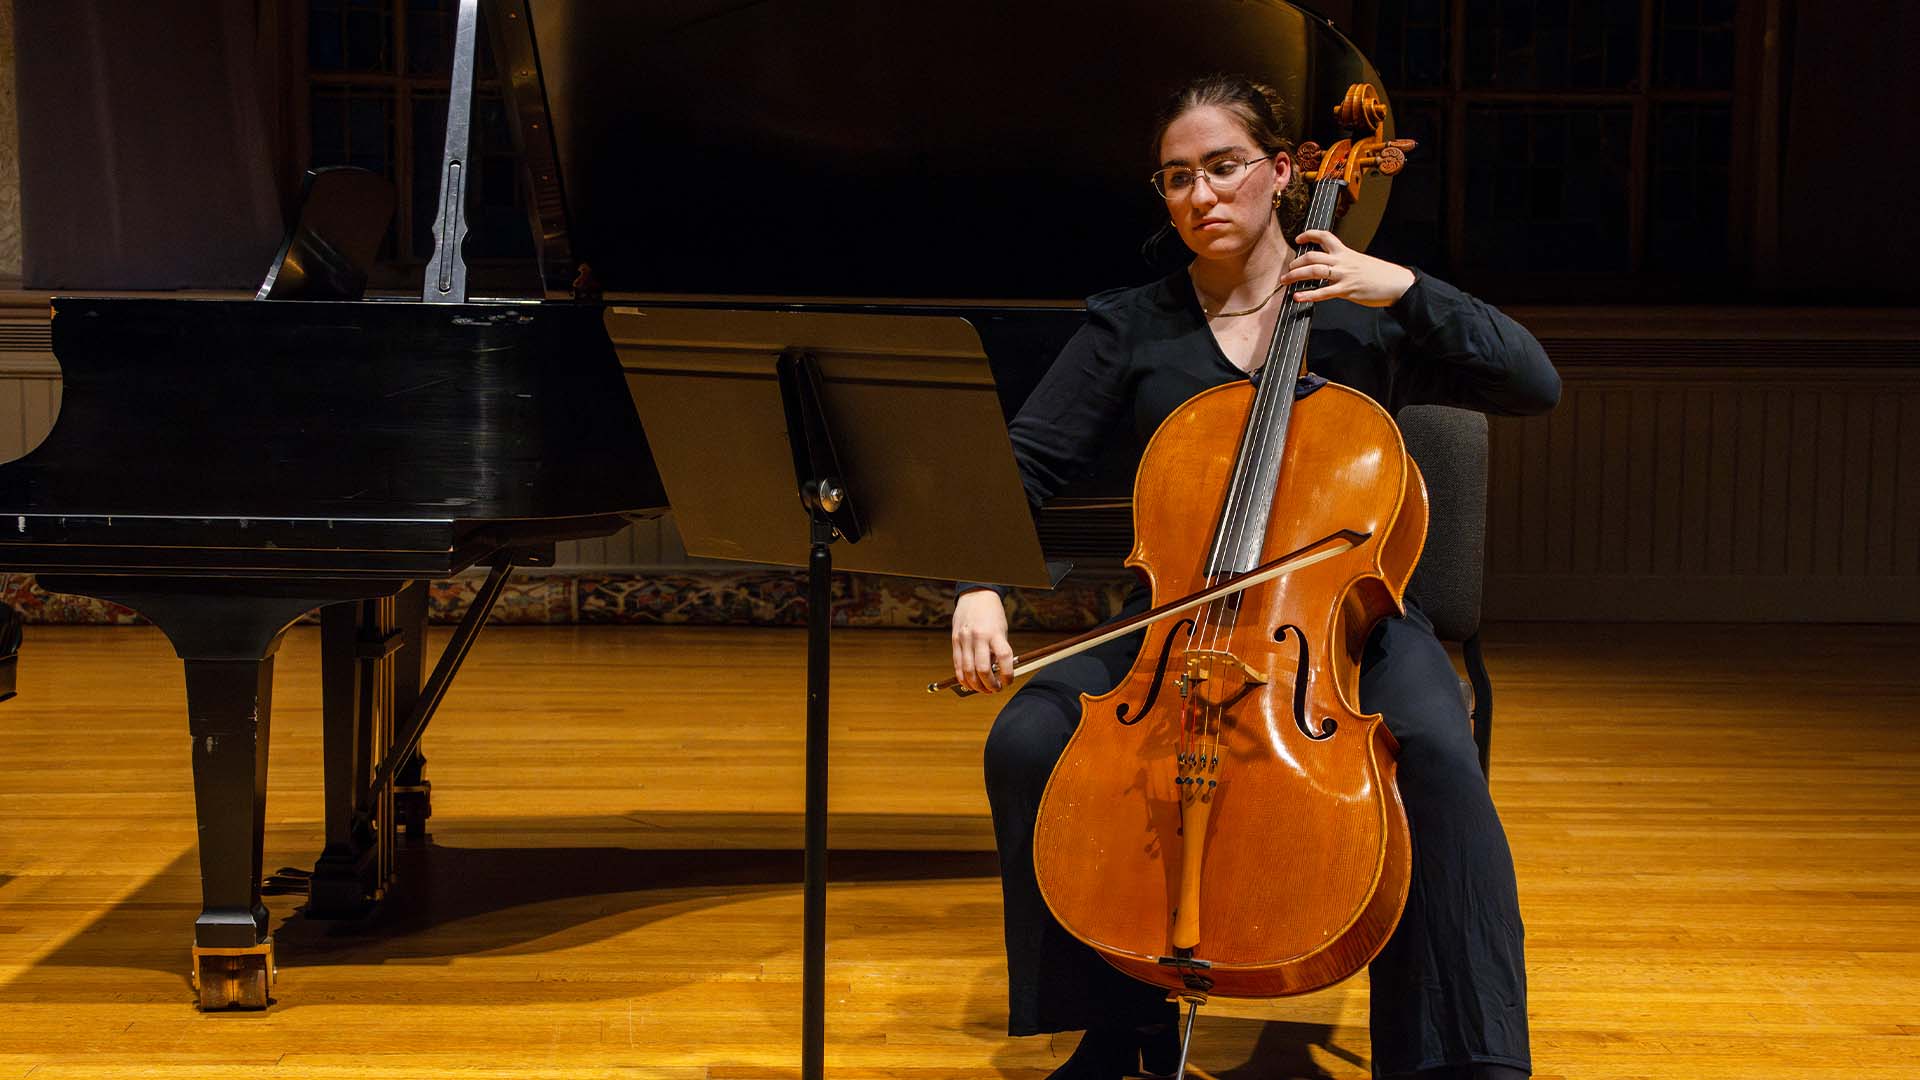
(1717, 832)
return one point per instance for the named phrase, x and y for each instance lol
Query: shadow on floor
(504, 897)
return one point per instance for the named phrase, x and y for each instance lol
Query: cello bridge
(1218, 677)
(1200, 666)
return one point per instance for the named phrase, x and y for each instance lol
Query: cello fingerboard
(1242, 532)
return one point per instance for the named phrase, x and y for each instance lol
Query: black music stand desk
(779, 431)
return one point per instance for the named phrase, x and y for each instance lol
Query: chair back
(1450, 446)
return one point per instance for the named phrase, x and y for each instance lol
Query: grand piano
(224, 467)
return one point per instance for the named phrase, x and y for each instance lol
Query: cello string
(1269, 408)
(1270, 402)
(1221, 618)
(1274, 399)
(1199, 752)
(1267, 428)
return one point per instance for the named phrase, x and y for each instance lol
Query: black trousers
(1450, 986)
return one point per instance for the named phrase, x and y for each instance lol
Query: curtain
(150, 142)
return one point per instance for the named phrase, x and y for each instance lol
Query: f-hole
(1327, 723)
(1159, 676)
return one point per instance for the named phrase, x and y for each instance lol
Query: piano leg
(372, 653)
(359, 642)
(412, 793)
(227, 630)
(229, 708)
(9, 649)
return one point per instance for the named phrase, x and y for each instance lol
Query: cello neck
(1242, 530)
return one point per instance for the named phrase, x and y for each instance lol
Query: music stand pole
(832, 515)
(813, 992)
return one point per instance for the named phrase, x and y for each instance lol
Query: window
(1569, 149)
(376, 81)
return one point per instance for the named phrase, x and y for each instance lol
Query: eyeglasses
(1223, 175)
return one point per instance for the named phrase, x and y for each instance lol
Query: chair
(1450, 446)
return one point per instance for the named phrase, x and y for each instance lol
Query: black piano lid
(847, 148)
(261, 435)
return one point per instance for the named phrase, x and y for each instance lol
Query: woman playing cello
(1449, 988)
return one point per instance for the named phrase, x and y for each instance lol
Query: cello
(1225, 820)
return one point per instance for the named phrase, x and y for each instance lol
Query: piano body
(224, 467)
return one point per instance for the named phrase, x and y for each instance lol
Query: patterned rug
(740, 598)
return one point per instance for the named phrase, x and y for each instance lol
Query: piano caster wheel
(412, 806)
(234, 978)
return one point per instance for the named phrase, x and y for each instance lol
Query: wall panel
(1729, 480)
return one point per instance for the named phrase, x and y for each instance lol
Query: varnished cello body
(1303, 866)
(1225, 820)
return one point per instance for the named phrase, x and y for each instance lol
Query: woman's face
(1221, 224)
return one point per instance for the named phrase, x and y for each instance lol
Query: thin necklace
(1268, 299)
(1244, 311)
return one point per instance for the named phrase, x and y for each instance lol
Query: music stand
(887, 430)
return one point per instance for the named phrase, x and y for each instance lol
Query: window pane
(1687, 208)
(1410, 46)
(1413, 231)
(1547, 189)
(353, 125)
(1552, 44)
(429, 144)
(350, 35)
(429, 37)
(501, 227)
(1693, 44)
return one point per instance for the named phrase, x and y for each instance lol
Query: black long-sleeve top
(1145, 350)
